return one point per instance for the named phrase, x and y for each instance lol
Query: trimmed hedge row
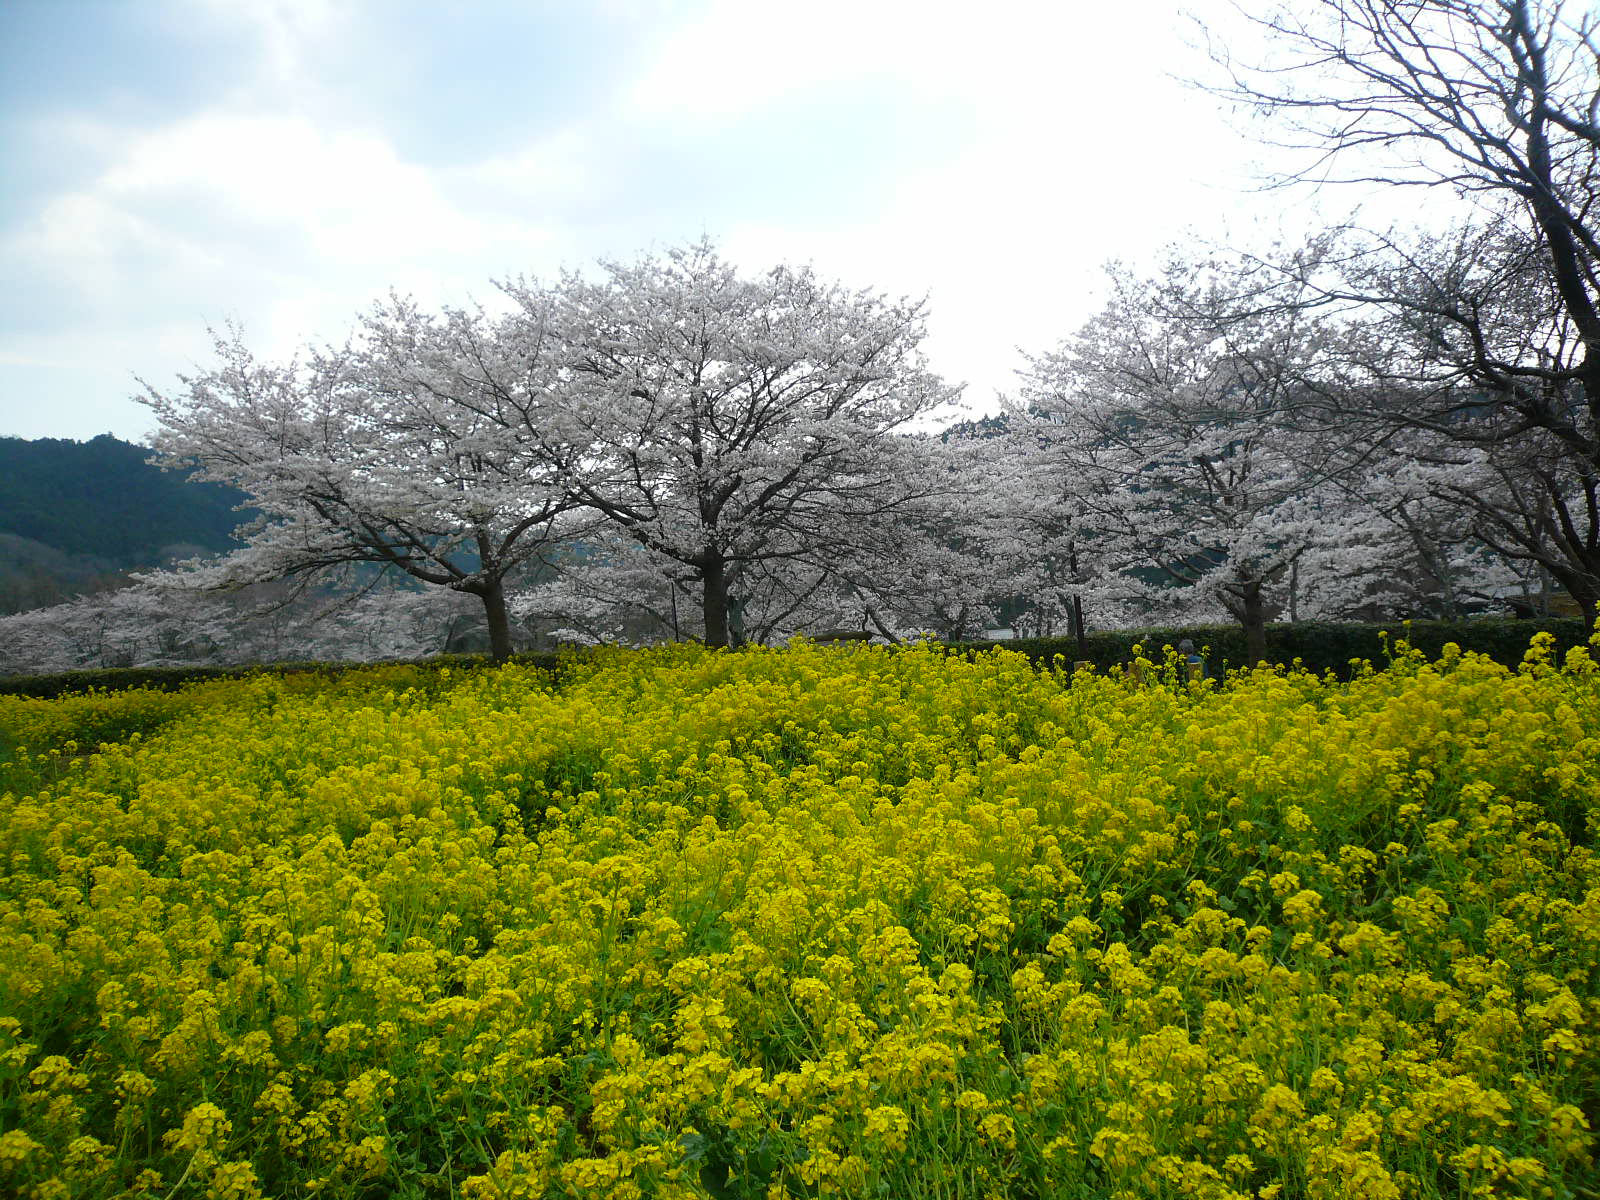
(114, 679)
(61, 683)
(1318, 646)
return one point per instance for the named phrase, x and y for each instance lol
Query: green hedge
(47, 687)
(62, 683)
(1319, 646)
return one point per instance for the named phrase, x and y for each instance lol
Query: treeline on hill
(76, 516)
(1315, 646)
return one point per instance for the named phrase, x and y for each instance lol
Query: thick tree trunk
(493, 595)
(714, 601)
(1588, 599)
(1078, 630)
(1584, 588)
(1253, 616)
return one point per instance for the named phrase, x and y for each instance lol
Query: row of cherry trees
(1224, 434)
(670, 420)
(674, 451)
(1427, 403)
(1370, 422)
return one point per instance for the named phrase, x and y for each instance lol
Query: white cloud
(347, 196)
(288, 37)
(10, 358)
(552, 173)
(267, 219)
(293, 223)
(738, 57)
(1073, 152)
(994, 157)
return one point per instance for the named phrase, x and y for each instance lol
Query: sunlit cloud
(989, 162)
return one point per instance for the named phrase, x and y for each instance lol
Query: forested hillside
(75, 515)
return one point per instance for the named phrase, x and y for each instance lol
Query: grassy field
(805, 922)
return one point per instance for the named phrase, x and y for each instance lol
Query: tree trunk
(493, 595)
(1588, 598)
(1253, 616)
(1584, 588)
(714, 601)
(1078, 630)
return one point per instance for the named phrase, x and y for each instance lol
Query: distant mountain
(984, 427)
(75, 516)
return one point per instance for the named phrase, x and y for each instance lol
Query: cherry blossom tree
(1473, 365)
(1486, 337)
(107, 629)
(1172, 415)
(953, 565)
(1425, 559)
(929, 568)
(732, 425)
(612, 589)
(416, 448)
(1056, 557)
(937, 573)
(153, 624)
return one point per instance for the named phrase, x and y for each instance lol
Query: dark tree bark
(492, 592)
(1253, 616)
(714, 597)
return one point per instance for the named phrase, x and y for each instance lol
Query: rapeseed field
(806, 922)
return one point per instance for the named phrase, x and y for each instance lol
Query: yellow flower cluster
(805, 922)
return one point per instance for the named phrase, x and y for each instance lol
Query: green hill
(74, 516)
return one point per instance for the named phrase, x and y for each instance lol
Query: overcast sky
(176, 164)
